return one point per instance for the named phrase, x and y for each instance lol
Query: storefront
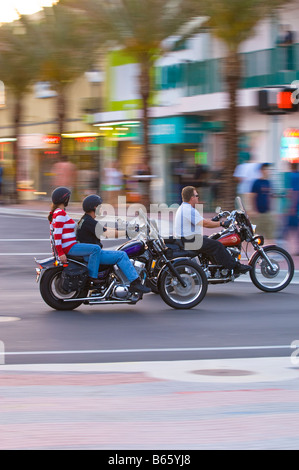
(7, 165)
(83, 150)
(120, 157)
(77, 168)
(183, 155)
(290, 145)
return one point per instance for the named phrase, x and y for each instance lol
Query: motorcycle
(181, 282)
(272, 266)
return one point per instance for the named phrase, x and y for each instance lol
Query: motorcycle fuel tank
(232, 239)
(133, 248)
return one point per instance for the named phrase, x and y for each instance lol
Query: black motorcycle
(181, 282)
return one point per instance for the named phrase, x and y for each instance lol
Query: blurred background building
(102, 144)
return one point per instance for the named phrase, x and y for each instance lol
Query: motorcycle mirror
(218, 210)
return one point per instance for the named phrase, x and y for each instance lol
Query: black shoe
(242, 268)
(95, 282)
(136, 286)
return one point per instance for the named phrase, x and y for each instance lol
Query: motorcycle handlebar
(219, 216)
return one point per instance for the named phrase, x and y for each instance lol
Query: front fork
(173, 271)
(259, 249)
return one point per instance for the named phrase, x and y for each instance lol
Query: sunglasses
(195, 195)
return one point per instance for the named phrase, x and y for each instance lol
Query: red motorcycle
(272, 266)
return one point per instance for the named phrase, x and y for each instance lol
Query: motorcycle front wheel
(177, 296)
(54, 295)
(272, 278)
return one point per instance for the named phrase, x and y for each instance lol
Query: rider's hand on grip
(216, 218)
(225, 224)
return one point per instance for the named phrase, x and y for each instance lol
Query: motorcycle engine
(121, 292)
(140, 268)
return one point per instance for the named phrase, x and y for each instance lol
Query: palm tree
(139, 27)
(233, 22)
(19, 64)
(67, 49)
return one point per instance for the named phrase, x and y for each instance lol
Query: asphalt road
(233, 321)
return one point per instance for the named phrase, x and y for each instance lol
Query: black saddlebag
(74, 278)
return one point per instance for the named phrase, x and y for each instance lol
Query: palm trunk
(145, 94)
(17, 121)
(233, 77)
(145, 91)
(61, 113)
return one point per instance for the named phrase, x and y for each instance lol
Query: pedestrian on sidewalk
(291, 218)
(261, 194)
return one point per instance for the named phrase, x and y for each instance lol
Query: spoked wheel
(178, 296)
(273, 272)
(54, 295)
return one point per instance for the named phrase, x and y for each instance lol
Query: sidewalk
(41, 209)
(243, 404)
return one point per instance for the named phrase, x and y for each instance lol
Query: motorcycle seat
(80, 259)
(76, 258)
(175, 251)
(174, 242)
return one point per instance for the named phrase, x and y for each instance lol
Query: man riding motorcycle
(189, 222)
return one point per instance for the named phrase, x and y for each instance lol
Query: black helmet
(61, 195)
(91, 202)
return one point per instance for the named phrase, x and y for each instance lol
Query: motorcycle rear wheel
(54, 296)
(177, 296)
(268, 280)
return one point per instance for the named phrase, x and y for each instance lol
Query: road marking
(27, 215)
(5, 319)
(24, 239)
(150, 350)
(26, 254)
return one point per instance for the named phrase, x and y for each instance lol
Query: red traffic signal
(278, 100)
(284, 100)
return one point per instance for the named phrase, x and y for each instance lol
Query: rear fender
(43, 265)
(46, 263)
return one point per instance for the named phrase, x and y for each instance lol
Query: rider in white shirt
(189, 225)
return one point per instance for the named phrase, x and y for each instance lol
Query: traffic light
(278, 100)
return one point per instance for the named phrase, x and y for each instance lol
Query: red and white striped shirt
(64, 231)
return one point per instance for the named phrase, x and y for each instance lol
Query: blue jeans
(94, 255)
(91, 254)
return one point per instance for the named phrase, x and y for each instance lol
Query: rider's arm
(114, 233)
(210, 223)
(58, 225)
